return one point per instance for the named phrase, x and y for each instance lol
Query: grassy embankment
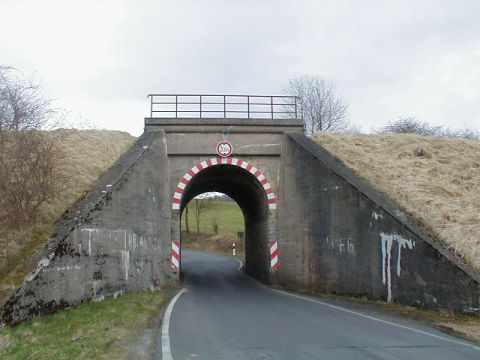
(440, 189)
(93, 330)
(88, 154)
(98, 330)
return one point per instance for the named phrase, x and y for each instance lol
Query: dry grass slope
(441, 189)
(88, 154)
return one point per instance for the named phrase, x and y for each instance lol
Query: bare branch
(321, 108)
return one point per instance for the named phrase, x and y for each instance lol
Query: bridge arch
(250, 188)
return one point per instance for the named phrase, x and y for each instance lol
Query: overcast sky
(388, 59)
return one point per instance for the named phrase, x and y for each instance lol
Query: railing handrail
(288, 109)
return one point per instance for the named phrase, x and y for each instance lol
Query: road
(224, 314)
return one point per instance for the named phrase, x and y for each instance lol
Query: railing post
(296, 108)
(200, 106)
(248, 106)
(176, 106)
(151, 106)
(224, 107)
(271, 105)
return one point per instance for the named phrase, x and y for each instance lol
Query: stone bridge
(329, 231)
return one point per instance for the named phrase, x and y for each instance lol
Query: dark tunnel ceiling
(233, 181)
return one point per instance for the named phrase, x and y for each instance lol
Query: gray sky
(388, 59)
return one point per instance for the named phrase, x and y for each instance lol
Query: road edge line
(391, 323)
(166, 350)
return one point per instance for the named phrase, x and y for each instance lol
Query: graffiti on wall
(387, 242)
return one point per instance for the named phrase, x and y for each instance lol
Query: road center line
(339, 308)
(166, 350)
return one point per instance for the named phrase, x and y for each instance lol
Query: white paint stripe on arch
(175, 262)
(274, 261)
(175, 247)
(273, 247)
(216, 161)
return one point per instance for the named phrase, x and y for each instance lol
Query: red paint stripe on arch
(210, 162)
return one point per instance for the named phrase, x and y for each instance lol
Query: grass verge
(461, 325)
(97, 330)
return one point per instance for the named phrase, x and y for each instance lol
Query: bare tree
(199, 206)
(319, 105)
(30, 158)
(410, 125)
(187, 225)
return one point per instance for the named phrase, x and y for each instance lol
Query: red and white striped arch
(177, 197)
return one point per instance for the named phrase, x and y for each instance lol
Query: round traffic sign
(224, 149)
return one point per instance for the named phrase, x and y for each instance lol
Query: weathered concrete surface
(335, 233)
(112, 241)
(338, 235)
(191, 141)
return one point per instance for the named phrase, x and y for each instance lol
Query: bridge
(311, 224)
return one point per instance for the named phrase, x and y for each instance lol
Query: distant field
(227, 215)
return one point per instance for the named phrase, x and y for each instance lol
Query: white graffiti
(387, 241)
(376, 216)
(341, 245)
(63, 268)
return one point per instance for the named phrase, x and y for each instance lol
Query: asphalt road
(224, 314)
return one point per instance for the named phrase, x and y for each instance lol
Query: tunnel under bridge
(311, 224)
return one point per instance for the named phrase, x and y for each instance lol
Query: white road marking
(166, 350)
(241, 264)
(339, 308)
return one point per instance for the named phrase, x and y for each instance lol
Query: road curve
(225, 314)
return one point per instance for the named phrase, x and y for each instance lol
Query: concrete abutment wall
(113, 241)
(335, 233)
(338, 235)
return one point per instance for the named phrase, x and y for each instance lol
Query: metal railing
(223, 106)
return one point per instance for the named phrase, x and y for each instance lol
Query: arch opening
(247, 186)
